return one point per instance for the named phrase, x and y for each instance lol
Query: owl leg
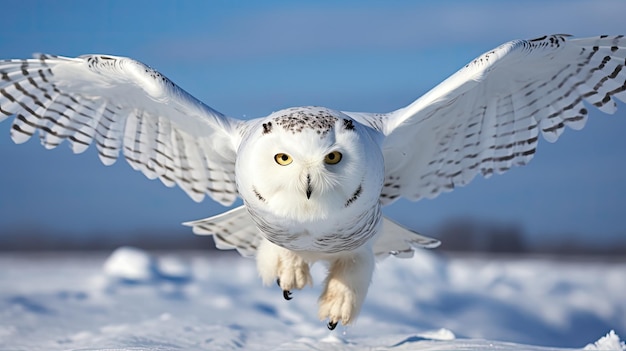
(345, 287)
(286, 267)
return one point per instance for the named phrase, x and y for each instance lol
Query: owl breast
(344, 231)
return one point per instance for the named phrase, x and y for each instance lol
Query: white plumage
(313, 179)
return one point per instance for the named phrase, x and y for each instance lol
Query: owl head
(304, 163)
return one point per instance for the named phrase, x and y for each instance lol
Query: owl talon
(287, 295)
(332, 325)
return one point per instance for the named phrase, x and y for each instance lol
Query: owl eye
(333, 158)
(283, 159)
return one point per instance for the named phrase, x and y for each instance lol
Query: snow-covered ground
(131, 300)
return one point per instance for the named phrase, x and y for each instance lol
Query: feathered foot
(289, 270)
(345, 287)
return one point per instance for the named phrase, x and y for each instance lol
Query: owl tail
(400, 242)
(235, 229)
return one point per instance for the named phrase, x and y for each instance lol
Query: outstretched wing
(487, 117)
(124, 106)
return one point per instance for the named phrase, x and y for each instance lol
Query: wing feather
(398, 241)
(233, 229)
(487, 117)
(122, 105)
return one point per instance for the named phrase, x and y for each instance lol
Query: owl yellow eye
(333, 158)
(283, 159)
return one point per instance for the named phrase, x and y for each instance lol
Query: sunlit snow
(133, 300)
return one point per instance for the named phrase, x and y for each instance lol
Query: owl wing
(124, 106)
(487, 117)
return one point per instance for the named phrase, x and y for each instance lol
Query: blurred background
(247, 59)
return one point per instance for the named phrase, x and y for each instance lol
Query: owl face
(309, 163)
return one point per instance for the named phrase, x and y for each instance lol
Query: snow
(134, 300)
(130, 264)
(609, 342)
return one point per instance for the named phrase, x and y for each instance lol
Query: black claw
(332, 325)
(287, 295)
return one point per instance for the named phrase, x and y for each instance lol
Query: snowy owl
(313, 179)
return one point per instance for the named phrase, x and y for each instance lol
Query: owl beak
(309, 188)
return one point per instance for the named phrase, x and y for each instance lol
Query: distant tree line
(22, 239)
(465, 234)
(457, 235)
(471, 235)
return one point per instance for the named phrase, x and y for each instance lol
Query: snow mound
(440, 334)
(133, 265)
(173, 268)
(609, 342)
(130, 264)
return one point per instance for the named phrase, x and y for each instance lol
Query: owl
(313, 180)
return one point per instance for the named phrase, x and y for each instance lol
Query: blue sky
(247, 59)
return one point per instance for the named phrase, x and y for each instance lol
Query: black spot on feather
(267, 128)
(347, 124)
